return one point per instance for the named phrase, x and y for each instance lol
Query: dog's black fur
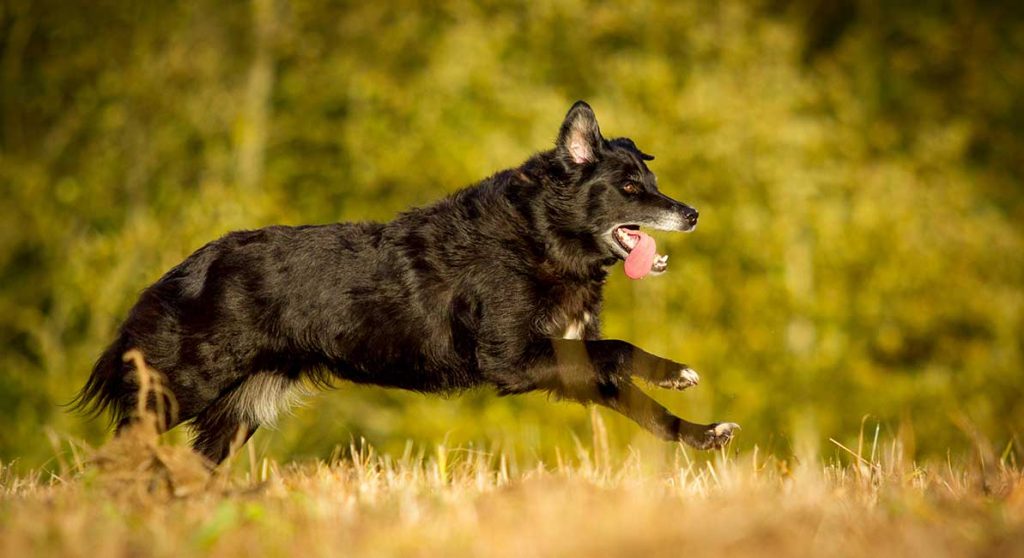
(481, 287)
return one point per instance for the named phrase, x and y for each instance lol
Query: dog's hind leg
(599, 372)
(218, 435)
(233, 418)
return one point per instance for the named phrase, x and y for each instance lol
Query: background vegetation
(857, 165)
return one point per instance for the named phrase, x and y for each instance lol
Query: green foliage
(857, 172)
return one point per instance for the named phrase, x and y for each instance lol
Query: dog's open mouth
(639, 251)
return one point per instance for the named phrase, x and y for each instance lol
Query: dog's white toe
(685, 377)
(726, 428)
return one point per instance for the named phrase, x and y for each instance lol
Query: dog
(499, 284)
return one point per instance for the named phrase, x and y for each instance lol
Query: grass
(140, 496)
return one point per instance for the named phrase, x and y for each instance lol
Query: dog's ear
(627, 143)
(580, 138)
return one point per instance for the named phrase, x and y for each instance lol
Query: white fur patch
(576, 328)
(262, 397)
(573, 331)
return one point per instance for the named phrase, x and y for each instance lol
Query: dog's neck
(569, 251)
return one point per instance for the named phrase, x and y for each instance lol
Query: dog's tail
(106, 387)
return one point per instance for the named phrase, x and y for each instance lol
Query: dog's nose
(691, 217)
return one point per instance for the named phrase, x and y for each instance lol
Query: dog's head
(613, 194)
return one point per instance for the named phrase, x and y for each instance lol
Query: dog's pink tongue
(641, 257)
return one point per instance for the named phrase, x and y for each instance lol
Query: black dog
(499, 284)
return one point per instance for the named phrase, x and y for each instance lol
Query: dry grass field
(140, 496)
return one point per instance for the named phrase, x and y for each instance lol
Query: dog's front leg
(661, 371)
(638, 406)
(599, 372)
(637, 362)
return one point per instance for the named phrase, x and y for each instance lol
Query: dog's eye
(631, 188)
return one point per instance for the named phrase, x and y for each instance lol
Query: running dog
(498, 284)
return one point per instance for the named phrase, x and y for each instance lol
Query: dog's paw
(715, 436)
(681, 379)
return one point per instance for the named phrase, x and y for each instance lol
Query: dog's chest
(575, 327)
(570, 313)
